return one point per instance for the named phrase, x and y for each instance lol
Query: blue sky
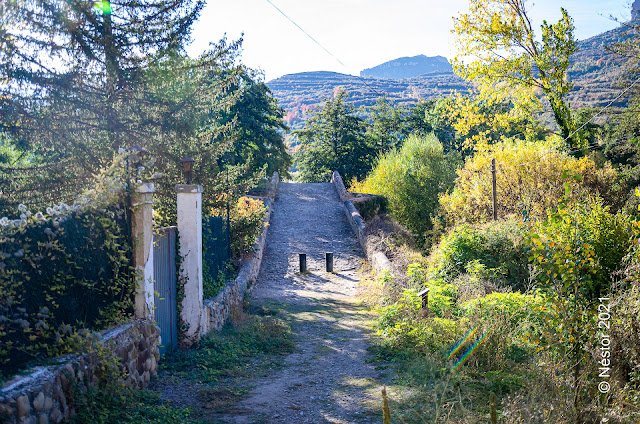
(363, 33)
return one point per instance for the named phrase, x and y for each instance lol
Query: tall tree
(258, 135)
(74, 78)
(500, 51)
(334, 140)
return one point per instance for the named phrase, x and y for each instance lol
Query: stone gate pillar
(142, 233)
(190, 238)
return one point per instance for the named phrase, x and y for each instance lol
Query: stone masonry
(47, 394)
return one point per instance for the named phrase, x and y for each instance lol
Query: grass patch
(236, 351)
(129, 405)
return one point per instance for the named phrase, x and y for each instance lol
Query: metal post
(494, 189)
(329, 261)
(303, 263)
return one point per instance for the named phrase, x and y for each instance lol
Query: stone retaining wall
(378, 260)
(46, 395)
(216, 311)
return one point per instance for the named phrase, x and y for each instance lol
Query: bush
(247, 223)
(581, 244)
(497, 251)
(529, 182)
(411, 179)
(60, 272)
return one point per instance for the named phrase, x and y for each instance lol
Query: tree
(77, 89)
(510, 61)
(412, 178)
(334, 140)
(388, 125)
(258, 134)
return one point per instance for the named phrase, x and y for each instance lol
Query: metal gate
(165, 276)
(215, 254)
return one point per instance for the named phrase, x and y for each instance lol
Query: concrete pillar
(142, 232)
(190, 238)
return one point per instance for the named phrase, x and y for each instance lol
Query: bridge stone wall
(377, 259)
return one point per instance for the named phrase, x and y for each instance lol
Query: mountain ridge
(597, 75)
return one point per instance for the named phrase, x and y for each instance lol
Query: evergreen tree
(334, 140)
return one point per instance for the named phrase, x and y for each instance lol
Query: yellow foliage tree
(500, 52)
(529, 181)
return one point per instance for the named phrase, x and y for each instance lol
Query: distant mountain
(596, 73)
(297, 93)
(408, 67)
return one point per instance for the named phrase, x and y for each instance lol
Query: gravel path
(327, 378)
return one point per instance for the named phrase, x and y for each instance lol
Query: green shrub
(411, 179)
(247, 223)
(582, 244)
(60, 272)
(400, 325)
(517, 307)
(497, 251)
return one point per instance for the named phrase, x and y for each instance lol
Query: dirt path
(327, 378)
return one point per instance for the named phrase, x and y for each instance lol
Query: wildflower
(50, 211)
(48, 231)
(4, 221)
(121, 151)
(19, 253)
(28, 213)
(16, 222)
(23, 217)
(39, 216)
(41, 324)
(22, 208)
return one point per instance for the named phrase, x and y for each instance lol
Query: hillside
(596, 73)
(297, 93)
(408, 67)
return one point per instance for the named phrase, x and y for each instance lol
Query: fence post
(142, 233)
(190, 239)
(494, 191)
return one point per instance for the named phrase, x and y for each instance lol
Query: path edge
(216, 311)
(376, 258)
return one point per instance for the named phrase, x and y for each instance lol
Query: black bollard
(303, 263)
(329, 261)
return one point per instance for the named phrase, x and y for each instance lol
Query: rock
(64, 383)
(38, 402)
(6, 410)
(70, 371)
(48, 403)
(55, 416)
(123, 353)
(23, 406)
(43, 419)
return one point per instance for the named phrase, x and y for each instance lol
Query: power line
(305, 32)
(372, 89)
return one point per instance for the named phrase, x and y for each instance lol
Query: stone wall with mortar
(217, 310)
(377, 259)
(46, 395)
